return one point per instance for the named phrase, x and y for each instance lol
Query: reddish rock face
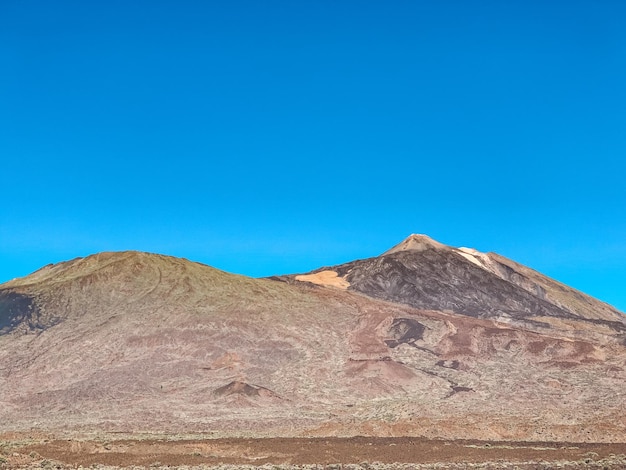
(423, 340)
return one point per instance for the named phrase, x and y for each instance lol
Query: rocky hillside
(425, 274)
(424, 340)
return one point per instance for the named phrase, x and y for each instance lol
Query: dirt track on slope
(303, 451)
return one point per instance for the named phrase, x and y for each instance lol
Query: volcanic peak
(425, 274)
(416, 242)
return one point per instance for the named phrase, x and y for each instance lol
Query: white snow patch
(472, 255)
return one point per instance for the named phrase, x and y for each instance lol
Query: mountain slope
(425, 274)
(140, 342)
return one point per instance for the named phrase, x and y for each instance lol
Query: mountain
(426, 274)
(424, 340)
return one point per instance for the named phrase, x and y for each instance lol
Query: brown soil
(306, 451)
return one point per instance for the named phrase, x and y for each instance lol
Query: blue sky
(269, 137)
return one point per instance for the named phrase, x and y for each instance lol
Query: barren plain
(201, 452)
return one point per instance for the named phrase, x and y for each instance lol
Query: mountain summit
(423, 340)
(415, 242)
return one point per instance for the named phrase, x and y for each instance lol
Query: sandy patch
(325, 278)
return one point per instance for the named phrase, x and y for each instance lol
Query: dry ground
(32, 451)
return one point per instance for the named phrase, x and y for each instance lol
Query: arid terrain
(40, 451)
(466, 356)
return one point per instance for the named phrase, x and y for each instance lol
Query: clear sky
(268, 137)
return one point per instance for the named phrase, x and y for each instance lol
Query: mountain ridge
(122, 341)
